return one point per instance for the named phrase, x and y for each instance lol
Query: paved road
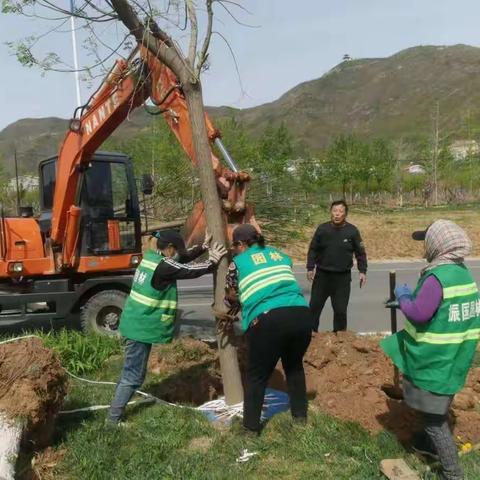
(366, 310)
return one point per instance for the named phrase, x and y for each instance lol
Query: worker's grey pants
(132, 377)
(437, 428)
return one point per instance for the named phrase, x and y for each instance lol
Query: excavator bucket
(195, 225)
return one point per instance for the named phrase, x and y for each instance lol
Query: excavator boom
(130, 84)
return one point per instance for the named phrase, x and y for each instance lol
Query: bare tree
(150, 23)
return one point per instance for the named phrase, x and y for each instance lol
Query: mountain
(389, 97)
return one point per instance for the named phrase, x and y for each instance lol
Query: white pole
(75, 58)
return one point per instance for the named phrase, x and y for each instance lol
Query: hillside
(390, 97)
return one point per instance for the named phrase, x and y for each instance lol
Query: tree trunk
(232, 383)
(10, 437)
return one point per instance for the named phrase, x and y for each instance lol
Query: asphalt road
(366, 310)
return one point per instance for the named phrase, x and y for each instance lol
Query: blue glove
(403, 291)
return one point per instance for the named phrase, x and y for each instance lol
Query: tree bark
(163, 47)
(232, 383)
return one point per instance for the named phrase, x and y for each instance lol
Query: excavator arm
(129, 84)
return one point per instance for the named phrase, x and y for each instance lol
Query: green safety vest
(437, 355)
(265, 282)
(149, 314)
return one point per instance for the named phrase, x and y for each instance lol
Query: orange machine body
(57, 251)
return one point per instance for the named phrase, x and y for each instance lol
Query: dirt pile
(345, 374)
(33, 386)
(191, 370)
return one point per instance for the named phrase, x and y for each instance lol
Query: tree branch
(161, 47)
(206, 42)
(192, 50)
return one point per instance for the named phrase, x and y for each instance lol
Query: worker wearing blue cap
(151, 308)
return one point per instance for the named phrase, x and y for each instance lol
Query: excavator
(75, 261)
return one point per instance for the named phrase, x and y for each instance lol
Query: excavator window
(109, 209)
(110, 212)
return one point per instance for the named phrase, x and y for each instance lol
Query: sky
(288, 42)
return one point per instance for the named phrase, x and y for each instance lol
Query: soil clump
(33, 386)
(346, 375)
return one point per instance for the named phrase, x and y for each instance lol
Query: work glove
(216, 252)
(403, 291)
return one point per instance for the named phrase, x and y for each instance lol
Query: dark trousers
(132, 377)
(437, 428)
(282, 333)
(337, 287)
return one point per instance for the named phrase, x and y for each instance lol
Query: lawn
(165, 442)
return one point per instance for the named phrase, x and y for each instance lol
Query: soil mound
(346, 373)
(33, 386)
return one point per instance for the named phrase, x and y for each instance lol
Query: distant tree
(346, 161)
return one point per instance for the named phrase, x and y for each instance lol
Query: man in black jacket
(329, 265)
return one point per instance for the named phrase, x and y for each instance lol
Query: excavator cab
(110, 216)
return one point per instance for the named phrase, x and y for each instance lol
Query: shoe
(422, 444)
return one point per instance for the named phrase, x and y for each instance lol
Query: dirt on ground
(347, 377)
(33, 386)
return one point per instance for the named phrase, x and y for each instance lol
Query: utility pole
(16, 181)
(435, 153)
(75, 58)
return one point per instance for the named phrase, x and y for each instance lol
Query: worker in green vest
(436, 348)
(150, 311)
(275, 318)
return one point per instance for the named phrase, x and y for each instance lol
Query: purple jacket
(423, 307)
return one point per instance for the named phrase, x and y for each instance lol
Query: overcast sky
(295, 41)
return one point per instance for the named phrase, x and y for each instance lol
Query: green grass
(79, 352)
(155, 444)
(82, 353)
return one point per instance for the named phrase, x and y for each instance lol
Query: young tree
(149, 24)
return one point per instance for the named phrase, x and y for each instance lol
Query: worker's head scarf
(445, 243)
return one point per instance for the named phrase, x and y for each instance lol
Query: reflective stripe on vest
(148, 264)
(152, 302)
(441, 338)
(272, 280)
(460, 290)
(262, 273)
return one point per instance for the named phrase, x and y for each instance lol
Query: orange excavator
(76, 259)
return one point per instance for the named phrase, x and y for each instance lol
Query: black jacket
(332, 248)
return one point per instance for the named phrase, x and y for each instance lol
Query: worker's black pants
(282, 333)
(336, 286)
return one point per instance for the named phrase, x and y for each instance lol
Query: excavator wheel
(101, 312)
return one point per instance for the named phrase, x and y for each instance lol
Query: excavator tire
(101, 312)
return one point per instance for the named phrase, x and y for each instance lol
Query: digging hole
(191, 369)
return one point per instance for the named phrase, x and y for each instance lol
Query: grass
(79, 353)
(158, 442)
(82, 353)
(387, 232)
